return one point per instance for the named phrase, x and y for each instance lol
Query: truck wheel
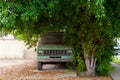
(39, 65)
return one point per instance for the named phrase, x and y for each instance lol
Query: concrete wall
(12, 49)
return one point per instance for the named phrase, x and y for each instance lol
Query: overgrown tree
(90, 25)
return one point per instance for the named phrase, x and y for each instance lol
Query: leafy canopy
(32, 17)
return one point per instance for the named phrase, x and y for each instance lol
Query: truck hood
(54, 47)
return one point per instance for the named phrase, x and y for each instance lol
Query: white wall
(29, 53)
(12, 49)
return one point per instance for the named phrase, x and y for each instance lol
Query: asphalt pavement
(116, 73)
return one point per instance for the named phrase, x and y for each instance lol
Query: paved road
(116, 73)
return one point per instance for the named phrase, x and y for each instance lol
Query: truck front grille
(55, 53)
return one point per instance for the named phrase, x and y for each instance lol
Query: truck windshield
(52, 38)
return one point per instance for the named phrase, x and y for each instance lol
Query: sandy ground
(26, 70)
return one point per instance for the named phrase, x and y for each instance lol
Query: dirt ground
(26, 70)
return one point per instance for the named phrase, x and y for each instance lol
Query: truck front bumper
(55, 60)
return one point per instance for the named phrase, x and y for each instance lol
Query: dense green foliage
(90, 23)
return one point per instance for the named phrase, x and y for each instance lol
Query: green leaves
(97, 8)
(30, 15)
(7, 15)
(81, 64)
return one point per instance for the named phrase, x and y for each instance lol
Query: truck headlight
(40, 51)
(69, 51)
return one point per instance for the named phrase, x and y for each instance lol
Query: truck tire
(39, 65)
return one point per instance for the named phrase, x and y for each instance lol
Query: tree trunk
(90, 61)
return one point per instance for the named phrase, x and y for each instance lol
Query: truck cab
(51, 49)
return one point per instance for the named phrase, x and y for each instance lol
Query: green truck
(51, 49)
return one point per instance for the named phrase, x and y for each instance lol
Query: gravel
(26, 70)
